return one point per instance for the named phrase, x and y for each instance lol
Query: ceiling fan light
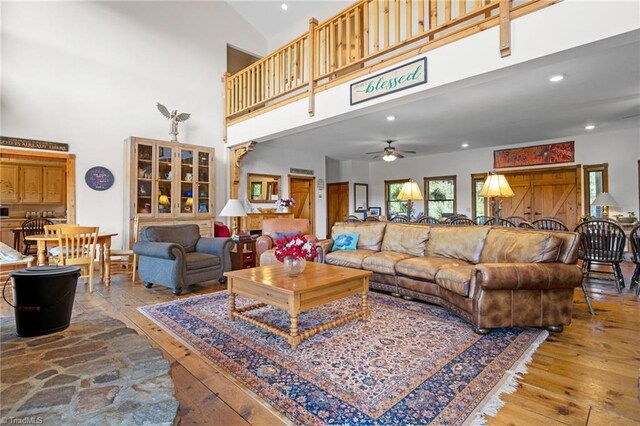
(389, 157)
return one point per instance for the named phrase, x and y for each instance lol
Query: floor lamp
(409, 192)
(233, 209)
(496, 187)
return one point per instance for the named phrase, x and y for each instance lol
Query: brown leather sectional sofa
(490, 276)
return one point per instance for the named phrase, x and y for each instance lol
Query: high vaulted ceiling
(510, 106)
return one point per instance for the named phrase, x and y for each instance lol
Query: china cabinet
(168, 183)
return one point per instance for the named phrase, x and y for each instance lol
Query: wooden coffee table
(319, 284)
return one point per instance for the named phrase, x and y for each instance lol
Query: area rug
(409, 363)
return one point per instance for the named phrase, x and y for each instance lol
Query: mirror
(263, 188)
(360, 197)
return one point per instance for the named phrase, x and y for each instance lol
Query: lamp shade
(496, 186)
(233, 208)
(164, 200)
(604, 199)
(410, 191)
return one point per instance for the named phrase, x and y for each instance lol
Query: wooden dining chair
(77, 246)
(52, 230)
(30, 227)
(126, 259)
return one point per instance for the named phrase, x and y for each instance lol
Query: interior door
(555, 195)
(337, 203)
(520, 203)
(301, 190)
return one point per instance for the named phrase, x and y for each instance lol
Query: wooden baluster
(348, 37)
(433, 16)
(505, 28)
(396, 18)
(376, 26)
(447, 12)
(340, 46)
(462, 8)
(421, 16)
(386, 23)
(312, 59)
(357, 51)
(409, 19)
(365, 29)
(332, 47)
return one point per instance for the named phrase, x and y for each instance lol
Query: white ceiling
(510, 106)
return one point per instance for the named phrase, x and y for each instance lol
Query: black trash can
(43, 298)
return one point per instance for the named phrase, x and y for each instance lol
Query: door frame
(312, 195)
(576, 167)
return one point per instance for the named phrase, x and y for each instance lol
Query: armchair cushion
(184, 235)
(197, 260)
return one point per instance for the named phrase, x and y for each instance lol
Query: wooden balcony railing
(386, 30)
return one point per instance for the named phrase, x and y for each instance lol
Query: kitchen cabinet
(32, 183)
(10, 183)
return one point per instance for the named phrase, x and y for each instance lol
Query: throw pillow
(221, 230)
(281, 235)
(345, 242)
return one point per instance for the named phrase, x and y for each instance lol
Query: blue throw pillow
(281, 235)
(345, 242)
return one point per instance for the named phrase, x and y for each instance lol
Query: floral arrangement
(295, 247)
(285, 202)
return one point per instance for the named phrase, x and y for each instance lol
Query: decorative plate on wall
(99, 178)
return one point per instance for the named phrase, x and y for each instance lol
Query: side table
(243, 255)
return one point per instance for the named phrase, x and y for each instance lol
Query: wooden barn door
(301, 189)
(337, 203)
(551, 192)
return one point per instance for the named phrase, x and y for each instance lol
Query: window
(596, 180)
(392, 189)
(478, 203)
(440, 196)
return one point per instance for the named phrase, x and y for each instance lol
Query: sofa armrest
(527, 276)
(322, 248)
(219, 246)
(170, 251)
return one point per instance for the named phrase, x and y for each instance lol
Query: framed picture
(375, 211)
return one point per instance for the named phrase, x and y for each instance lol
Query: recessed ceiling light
(391, 117)
(556, 78)
(465, 145)
(284, 6)
(590, 127)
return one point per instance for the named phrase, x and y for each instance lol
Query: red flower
(295, 247)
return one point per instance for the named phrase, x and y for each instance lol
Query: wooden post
(505, 28)
(236, 154)
(313, 22)
(227, 105)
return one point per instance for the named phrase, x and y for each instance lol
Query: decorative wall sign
(99, 178)
(400, 78)
(553, 153)
(33, 144)
(302, 171)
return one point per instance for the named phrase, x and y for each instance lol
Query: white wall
(562, 26)
(89, 74)
(619, 148)
(268, 159)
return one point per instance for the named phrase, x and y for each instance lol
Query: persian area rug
(409, 363)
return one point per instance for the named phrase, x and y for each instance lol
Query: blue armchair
(176, 256)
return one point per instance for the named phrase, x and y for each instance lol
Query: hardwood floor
(587, 375)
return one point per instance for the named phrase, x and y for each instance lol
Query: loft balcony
(369, 35)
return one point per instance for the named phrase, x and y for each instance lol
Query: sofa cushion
(456, 279)
(370, 233)
(457, 242)
(345, 242)
(348, 258)
(405, 238)
(426, 267)
(504, 246)
(196, 260)
(185, 235)
(384, 262)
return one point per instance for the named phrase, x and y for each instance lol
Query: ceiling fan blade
(374, 152)
(405, 152)
(375, 157)
(398, 155)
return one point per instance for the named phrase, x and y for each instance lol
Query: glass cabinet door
(204, 176)
(164, 178)
(186, 182)
(144, 188)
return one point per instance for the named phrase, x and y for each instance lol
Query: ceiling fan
(390, 153)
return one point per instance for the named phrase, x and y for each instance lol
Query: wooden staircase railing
(369, 29)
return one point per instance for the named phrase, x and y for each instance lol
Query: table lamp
(605, 200)
(188, 204)
(410, 192)
(233, 209)
(496, 187)
(164, 202)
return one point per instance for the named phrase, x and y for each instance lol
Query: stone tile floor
(96, 372)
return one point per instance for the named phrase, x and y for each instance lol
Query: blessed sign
(408, 75)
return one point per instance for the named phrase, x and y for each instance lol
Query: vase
(294, 267)
(281, 209)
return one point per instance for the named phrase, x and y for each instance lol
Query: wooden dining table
(104, 248)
